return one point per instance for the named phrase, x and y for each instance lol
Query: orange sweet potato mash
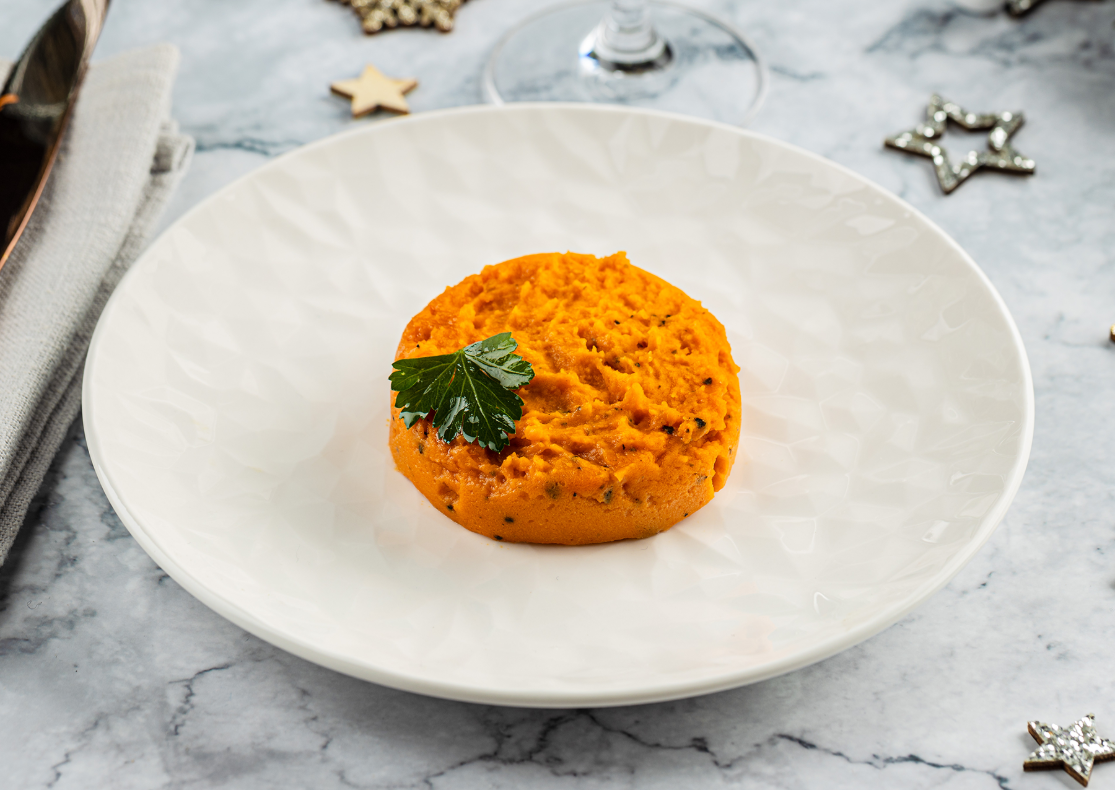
(631, 422)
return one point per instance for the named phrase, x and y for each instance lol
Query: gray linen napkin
(119, 162)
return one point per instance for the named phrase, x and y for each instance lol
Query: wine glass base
(712, 71)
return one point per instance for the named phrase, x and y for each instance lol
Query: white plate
(236, 406)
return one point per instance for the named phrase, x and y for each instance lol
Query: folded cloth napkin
(120, 160)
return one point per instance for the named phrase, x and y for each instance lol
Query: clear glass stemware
(650, 53)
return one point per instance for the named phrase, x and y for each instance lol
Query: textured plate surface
(236, 405)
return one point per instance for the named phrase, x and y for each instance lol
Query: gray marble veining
(112, 676)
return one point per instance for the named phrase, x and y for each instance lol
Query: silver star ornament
(924, 140)
(1075, 748)
(1020, 7)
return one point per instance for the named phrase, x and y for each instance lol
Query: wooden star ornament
(372, 89)
(924, 140)
(1075, 748)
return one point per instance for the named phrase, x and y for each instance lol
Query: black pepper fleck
(708, 381)
(500, 537)
(699, 421)
(449, 506)
(668, 429)
(617, 322)
(509, 520)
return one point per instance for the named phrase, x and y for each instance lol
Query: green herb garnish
(469, 391)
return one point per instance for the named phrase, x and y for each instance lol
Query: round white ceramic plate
(236, 406)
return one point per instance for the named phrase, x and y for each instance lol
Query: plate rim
(611, 694)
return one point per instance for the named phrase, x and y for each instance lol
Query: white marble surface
(111, 675)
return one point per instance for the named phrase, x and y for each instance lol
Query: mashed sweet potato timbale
(630, 424)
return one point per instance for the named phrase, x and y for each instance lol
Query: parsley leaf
(469, 391)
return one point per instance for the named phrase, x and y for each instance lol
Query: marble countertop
(111, 675)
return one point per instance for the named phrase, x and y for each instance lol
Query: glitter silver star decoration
(1001, 155)
(1020, 7)
(377, 15)
(1076, 748)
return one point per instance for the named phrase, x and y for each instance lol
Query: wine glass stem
(625, 39)
(627, 27)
